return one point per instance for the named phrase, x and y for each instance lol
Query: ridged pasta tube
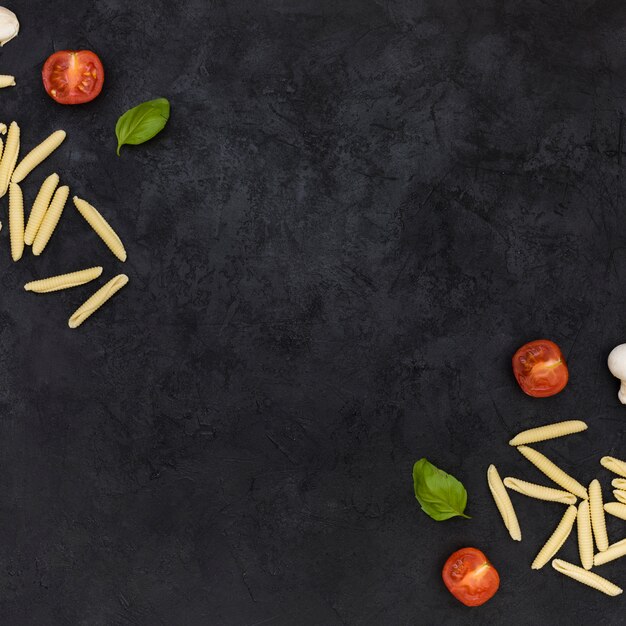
(614, 465)
(550, 431)
(64, 281)
(619, 495)
(553, 472)
(97, 300)
(617, 509)
(539, 492)
(37, 155)
(557, 539)
(9, 157)
(51, 219)
(503, 502)
(614, 551)
(586, 578)
(40, 206)
(585, 536)
(6, 80)
(596, 510)
(619, 483)
(102, 227)
(16, 221)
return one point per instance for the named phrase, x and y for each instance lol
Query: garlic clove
(9, 25)
(617, 367)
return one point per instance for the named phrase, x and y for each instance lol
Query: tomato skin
(470, 577)
(540, 368)
(73, 76)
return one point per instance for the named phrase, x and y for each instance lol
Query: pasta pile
(589, 515)
(45, 215)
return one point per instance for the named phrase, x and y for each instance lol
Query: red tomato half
(73, 76)
(540, 368)
(470, 577)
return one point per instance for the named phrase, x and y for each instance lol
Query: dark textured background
(358, 211)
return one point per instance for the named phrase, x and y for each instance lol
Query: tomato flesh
(73, 76)
(540, 368)
(470, 577)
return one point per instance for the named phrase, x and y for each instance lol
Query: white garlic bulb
(9, 25)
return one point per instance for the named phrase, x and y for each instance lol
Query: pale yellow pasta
(6, 80)
(539, 492)
(9, 157)
(619, 483)
(16, 221)
(596, 509)
(557, 539)
(37, 155)
(51, 219)
(585, 537)
(503, 502)
(617, 509)
(614, 465)
(619, 495)
(64, 281)
(102, 228)
(550, 431)
(40, 206)
(3, 128)
(97, 300)
(614, 551)
(553, 472)
(586, 578)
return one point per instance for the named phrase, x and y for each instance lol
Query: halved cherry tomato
(73, 76)
(470, 577)
(540, 368)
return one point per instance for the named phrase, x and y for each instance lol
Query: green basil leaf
(142, 122)
(440, 495)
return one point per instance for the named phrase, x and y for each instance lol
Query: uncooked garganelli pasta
(40, 206)
(37, 155)
(51, 219)
(617, 509)
(550, 431)
(585, 536)
(6, 80)
(503, 502)
(615, 551)
(553, 472)
(102, 227)
(97, 300)
(539, 492)
(64, 281)
(16, 221)
(9, 157)
(614, 465)
(598, 523)
(587, 578)
(557, 539)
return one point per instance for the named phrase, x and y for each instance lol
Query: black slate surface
(358, 211)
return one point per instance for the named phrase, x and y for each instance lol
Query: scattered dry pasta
(503, 502)
(97, 300)
(9, 157)
(585, 537)
(596, 509)
(551, 431)
(617, 509)
(102, 228)
(51, 219)
(40, 206)
(64, 281)
(6, 80)
(619, 483)
(614, 465)
(37, 155)
(614, 551)
(553, 472)
(557, 539)
(539, 492)
(620, 495)
(586, 578)
(16, 221)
